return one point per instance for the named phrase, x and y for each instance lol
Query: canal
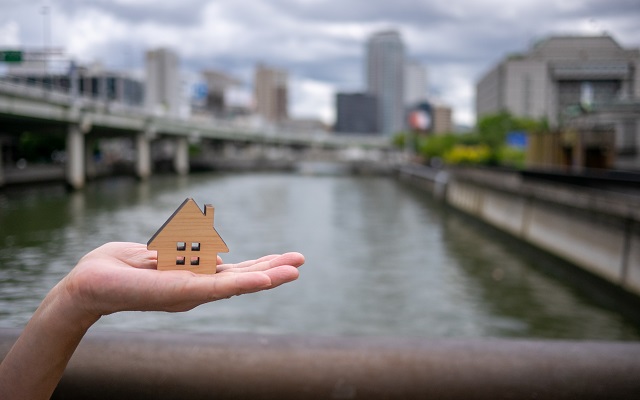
(383, 258)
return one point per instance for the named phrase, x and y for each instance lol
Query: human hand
(119, 277)
(123, 277)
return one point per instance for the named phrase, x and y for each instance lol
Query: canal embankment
(596, 230)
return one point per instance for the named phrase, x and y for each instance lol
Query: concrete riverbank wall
(597, 231)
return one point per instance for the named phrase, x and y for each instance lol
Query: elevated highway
(31, 108)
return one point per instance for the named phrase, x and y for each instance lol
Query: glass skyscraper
(385, 78)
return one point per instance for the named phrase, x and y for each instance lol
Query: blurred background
(468, 169)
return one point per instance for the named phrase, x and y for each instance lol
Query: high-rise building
(385, 78)
(271, 93)
(559, 72)
(562, 77)
(356, 113)
(92, 81)
(442, 119)
(162, 90)
(218, 84)
(415, 83)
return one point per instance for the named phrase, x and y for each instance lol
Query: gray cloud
(175, 13)
(324, 40)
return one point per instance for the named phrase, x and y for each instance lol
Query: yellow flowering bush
(464, 154)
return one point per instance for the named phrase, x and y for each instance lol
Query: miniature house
(188, 241)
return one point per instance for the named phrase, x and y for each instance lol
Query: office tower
(218, 85)
(415, 83)
(442, 119)
(91, 81)
(162, 91)
(271, 93)
(356, 113)
(385, 78)
(559, 72)
(586, 83)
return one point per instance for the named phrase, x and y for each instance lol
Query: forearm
(33, 367)
(118, 277)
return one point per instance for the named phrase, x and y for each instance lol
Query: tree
(493, 130)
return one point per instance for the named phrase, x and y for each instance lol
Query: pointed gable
(188, 238)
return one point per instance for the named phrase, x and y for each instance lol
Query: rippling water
(382, 259)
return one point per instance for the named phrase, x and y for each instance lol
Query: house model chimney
(208, 212)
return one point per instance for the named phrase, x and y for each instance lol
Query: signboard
(517, 139)
(200, 91)
(11, 56)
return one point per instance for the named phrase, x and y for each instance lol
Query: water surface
(382, 259)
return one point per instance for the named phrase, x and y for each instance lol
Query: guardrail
(227, 366)
(113, 115)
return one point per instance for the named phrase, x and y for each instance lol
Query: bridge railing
(231, 366)
(190, 126)
(62, 96)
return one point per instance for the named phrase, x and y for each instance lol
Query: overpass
(36, 109)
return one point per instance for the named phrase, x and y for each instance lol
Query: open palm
(122, 277)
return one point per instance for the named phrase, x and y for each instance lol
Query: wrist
(69, 309)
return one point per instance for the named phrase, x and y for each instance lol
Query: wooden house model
(188, 241)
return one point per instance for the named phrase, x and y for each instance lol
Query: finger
(291, 259)
(282, 274)
(251, 282)
(245, 264)
(221, 286)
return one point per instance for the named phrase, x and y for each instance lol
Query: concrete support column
(75, 157)
(181, 156)
(143, 156)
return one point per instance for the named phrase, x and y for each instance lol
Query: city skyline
(321, 45)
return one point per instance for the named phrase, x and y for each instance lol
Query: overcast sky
(320, 42)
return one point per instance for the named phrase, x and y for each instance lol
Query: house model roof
(188, 240)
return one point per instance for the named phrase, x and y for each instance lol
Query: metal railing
(227, 366)
(197, 127)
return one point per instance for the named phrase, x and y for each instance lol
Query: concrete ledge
(224, 366)
(595, 230)
(587, 199)
(34, 173)
(599, 244)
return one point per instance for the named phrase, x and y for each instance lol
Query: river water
(383, 258)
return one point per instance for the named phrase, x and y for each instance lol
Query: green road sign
(10, 56)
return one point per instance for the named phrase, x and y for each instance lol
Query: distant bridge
(33, 108)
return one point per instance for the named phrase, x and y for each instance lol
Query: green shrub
(511, 157)
(436, 145)
(39, 147)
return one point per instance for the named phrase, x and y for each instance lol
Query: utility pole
(46, 42)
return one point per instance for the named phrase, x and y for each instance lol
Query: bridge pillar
(143, 156)
(181, 156)
(75, 172)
